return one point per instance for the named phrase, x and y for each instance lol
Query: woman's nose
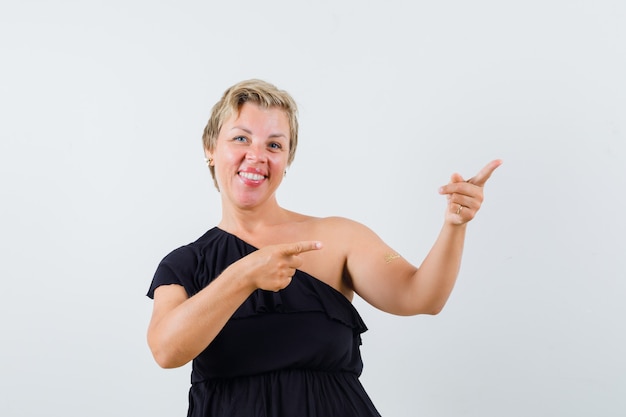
(255, 154)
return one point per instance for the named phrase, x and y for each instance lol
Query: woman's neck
(249, 221)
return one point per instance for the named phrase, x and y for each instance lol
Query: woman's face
(251, 153)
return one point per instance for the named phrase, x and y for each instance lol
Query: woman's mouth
(251, 176)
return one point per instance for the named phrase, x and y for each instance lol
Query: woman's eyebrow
(248, 131)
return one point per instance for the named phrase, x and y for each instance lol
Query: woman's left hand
(466, 197)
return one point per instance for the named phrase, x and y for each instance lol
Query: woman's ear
(208, 157)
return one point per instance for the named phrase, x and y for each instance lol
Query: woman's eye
(275, 145)
(239, 139)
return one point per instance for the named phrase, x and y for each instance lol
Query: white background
(102, 105)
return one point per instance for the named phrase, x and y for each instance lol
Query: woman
(261, 303)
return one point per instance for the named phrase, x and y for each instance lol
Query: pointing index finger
(302, 246)
(483, 175)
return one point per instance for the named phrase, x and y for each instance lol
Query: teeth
(252, 176)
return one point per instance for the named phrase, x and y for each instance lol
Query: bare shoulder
(324, 225)
(342, 228)
(336, 222)
(341, 234)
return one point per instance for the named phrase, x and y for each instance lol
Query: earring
(284, 173)
(208, 161)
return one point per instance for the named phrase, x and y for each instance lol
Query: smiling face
(255, 91)
(251, 154)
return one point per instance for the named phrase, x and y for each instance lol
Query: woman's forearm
(436, 276)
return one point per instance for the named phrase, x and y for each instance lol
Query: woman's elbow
(166, 358)
(429, 309)
(434, 308)
(434, 311)
(165, 361)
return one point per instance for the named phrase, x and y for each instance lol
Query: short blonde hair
(255, 91)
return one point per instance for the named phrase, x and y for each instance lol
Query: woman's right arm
(181, 327)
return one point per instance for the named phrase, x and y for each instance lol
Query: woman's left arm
(387, 281)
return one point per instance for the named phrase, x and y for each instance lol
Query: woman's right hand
(272, 267)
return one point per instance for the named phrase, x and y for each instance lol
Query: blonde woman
(261, 303)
